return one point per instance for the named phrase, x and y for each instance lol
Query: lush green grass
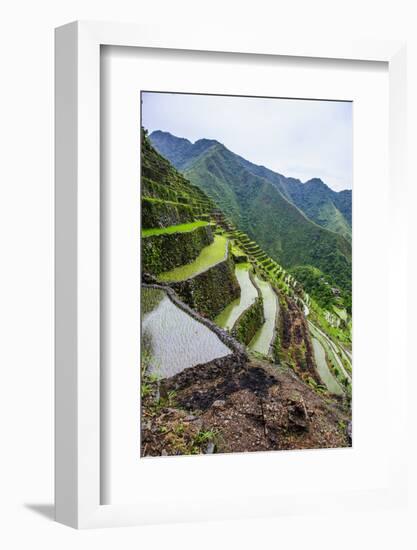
(320, 204)
(208, 257)
(182, 228)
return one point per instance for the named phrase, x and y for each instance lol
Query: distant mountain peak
(205, 141)
(315, 181)
(180, 151)
(160, 134)
(325, 207)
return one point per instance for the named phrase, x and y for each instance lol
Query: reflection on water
(248, 294)
(262, 340)
(323, 369)
(172, 340)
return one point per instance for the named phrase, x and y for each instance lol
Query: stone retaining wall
(211, 291)
(165, 252)
(159, 213)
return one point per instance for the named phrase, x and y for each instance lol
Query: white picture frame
(77, 500)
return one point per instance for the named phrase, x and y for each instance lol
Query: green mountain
(270, 208)
(327, 208)
(226, 331)
(322, 205)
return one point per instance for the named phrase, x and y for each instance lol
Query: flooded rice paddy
(323, 369)
(248, 295)
(171, 339)
(262, 340)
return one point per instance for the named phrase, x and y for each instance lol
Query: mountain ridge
(268, 206)
(321, 204)
(204, 381)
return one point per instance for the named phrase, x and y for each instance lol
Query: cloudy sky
(299, 138)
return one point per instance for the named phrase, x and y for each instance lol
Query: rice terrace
(246, 281)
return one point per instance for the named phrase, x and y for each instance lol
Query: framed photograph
(228, 213)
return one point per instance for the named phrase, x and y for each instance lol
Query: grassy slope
(318, 286)
(256, 206)
(329, 209)
(162, 183)
(319, 203)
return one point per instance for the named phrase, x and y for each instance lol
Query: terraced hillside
(293, 337)
(213, 301)
(178, 245)
(296, 224)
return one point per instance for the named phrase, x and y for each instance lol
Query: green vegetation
(249, 322)
(319, 203)
(248, 295)
(252, 199)
(315, 283)
(205, 436)
(225, 257)
(169, 250)
(160, 213)
(209, 256)
(210, 291)
(150, 299)
(182, 228)
(178, 246)
(168, 198)
(342, 313)
(258, 201)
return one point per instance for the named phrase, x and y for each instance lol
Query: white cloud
(298, 138)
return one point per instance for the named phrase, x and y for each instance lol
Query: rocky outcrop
(240, 406)
(293, 345)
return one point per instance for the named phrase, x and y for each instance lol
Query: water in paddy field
(172, 340)
(262, 340)
(323, 369)
(248, 295)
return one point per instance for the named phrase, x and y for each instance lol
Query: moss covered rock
(211, 291)
(160, 213)
(249, 322)
(164, 252)
(168, 198)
